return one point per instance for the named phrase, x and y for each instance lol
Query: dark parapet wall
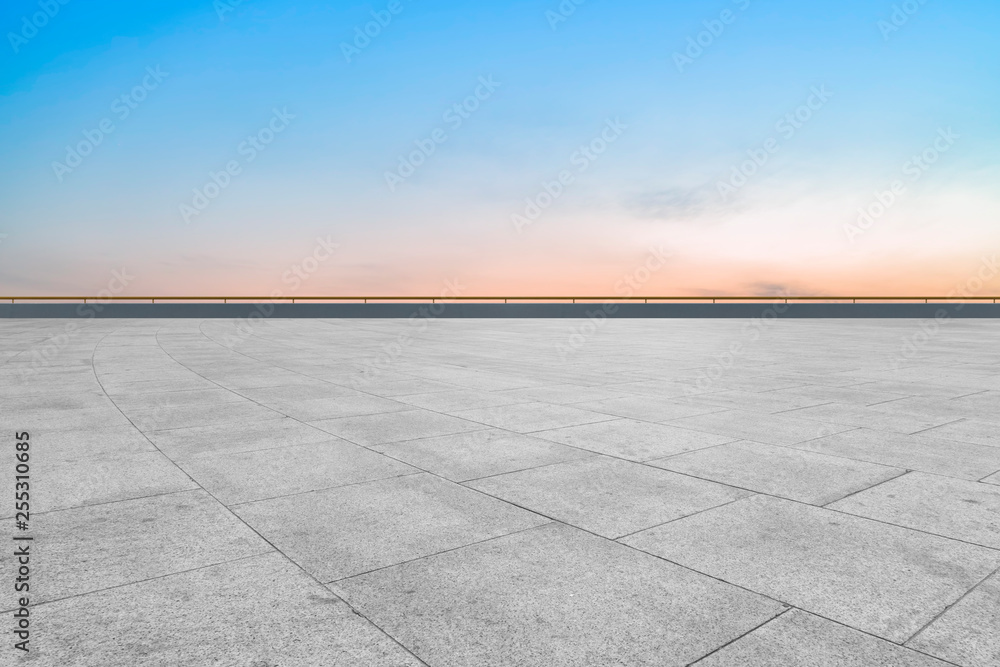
(500, 310)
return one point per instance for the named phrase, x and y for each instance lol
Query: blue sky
(558, 84)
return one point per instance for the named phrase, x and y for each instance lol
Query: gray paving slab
(878, 578)
(633, 440)
(235, 437)
(171, 417)
(878, 417)
(252, 612)
(337, 406)
(768, 429)
(853, 395)
(914, 452)
(381, 429)
(348, 530)
(239, 477)
(781, 471)
(648, 408)
(578, 601)
(460, 399)
(800, 638)
(91, 481)
(967, 633)
(607, 496)
(466, 456)
(528, 417)
(955, 508)
(96, 547)
(976, 431)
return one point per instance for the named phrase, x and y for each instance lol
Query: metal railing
(507, 299)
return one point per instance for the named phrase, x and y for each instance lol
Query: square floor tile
(465, 456)
(553, 596)
(91, 548)
(633, 440)
(967, 633)
(780, 471)
(798, 638)
(878, 578)
(372, 430)
(528, 417)
(914, 452)
(955, 508)
(239, 477)
(251, 612)
(607, 496)
(353, 529)
(768, 429)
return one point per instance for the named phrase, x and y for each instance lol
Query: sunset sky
(520, 147)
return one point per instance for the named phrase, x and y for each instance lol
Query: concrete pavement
(463, 492)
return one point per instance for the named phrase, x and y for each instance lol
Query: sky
(526, 147)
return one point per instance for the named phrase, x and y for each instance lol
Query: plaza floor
(506, 493)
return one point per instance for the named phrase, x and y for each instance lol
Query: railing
(506, 299)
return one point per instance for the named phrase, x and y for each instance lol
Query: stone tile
(553, 596)
(528, 417)
(768, 429)
(648, 408)
(80, 445)
(239, 477)
(242, 437)
(48, 421)
(157, 419)
(915, 452)
(633, 440)
(292, 393)
(462, 399)
(881, 579)
(465, 456)
(967, 633)
(90, 481)
(974, 431)
(338, 406)
(606, 496)
(780, 471)
(175, 399)
(92, 548)
(372, 430)
(857, 395)
(882, 419)
(762, 401)
(353, 529)
(562, 394)
(955, 508)
(798, 638)
(251, 612)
